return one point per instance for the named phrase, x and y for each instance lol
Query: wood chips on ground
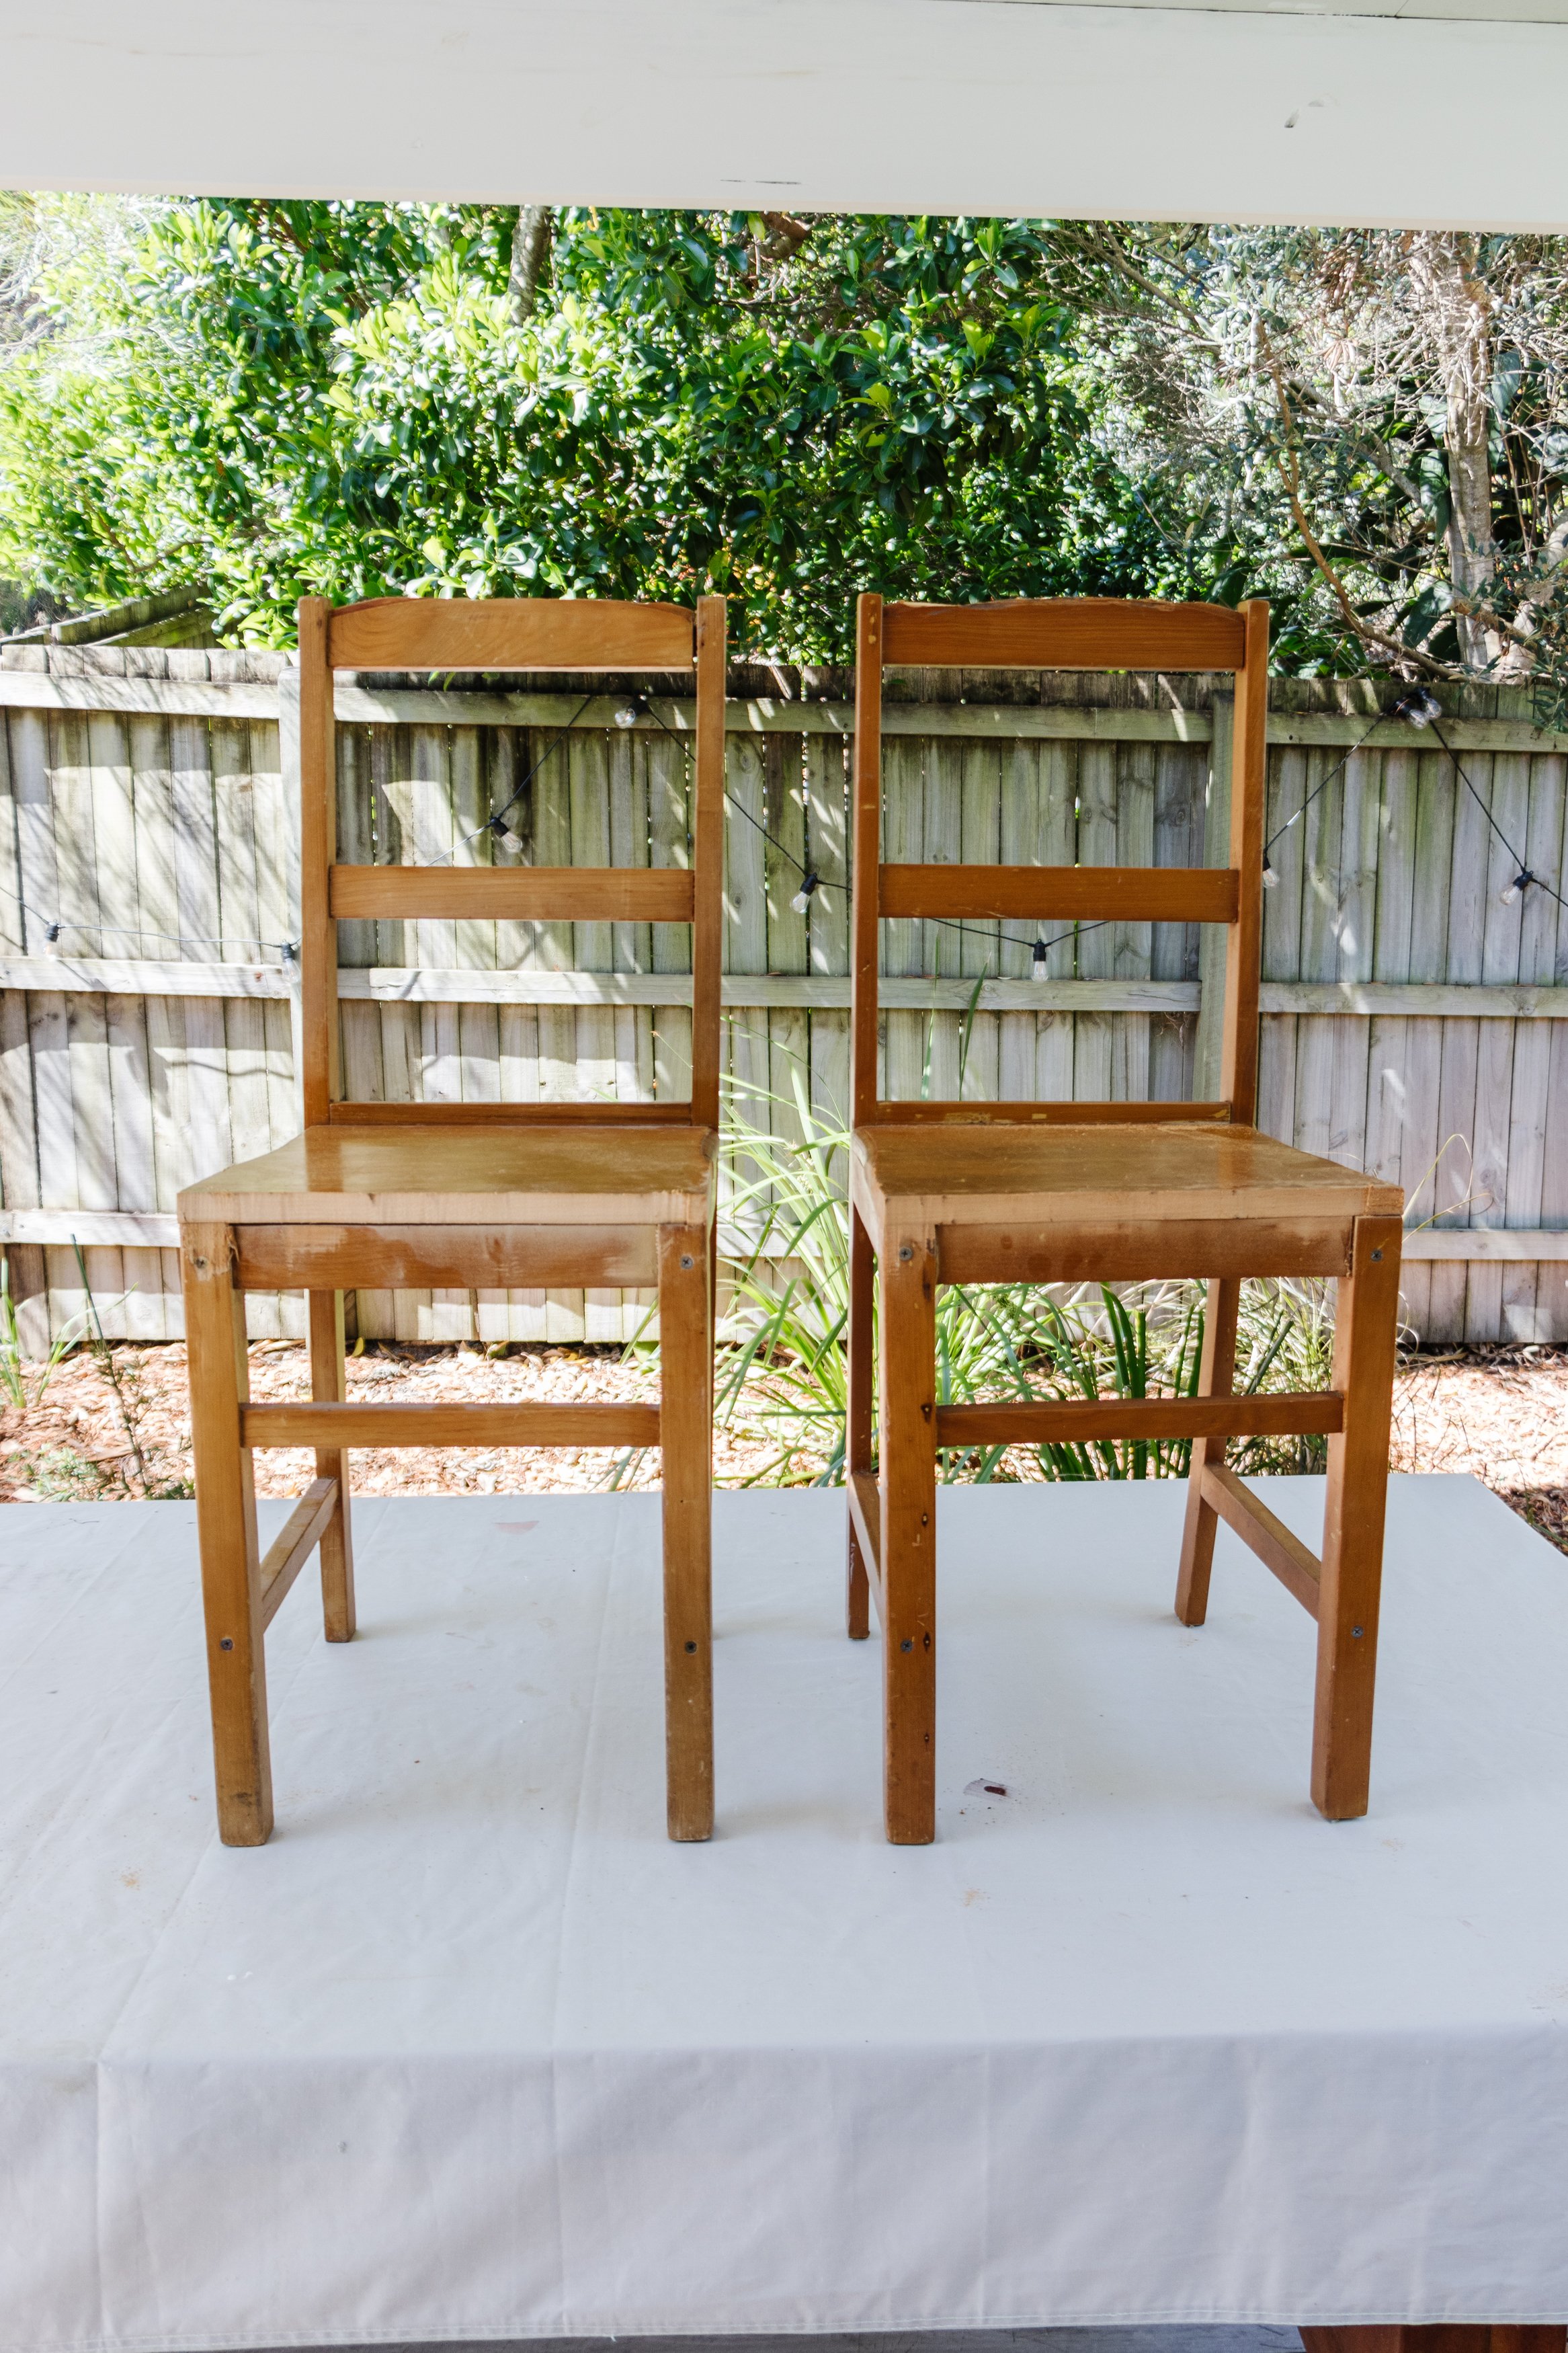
(1499, 1413)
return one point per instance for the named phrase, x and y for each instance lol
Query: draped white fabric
(469, 2050)
(1409, 113)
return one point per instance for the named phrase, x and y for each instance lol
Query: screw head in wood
(691, 1646)
(1377, 1258)
(906, 1252)
(906, 1644)
(687, 1261)
(226, 1644)
(1356, 1633)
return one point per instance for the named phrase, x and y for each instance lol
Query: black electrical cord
(493, 824)
(1524, 876)
(1040, 949)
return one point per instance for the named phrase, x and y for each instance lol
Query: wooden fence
(1413, 1019)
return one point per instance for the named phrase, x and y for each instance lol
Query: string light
(491, 823)
(1522, 877)
(800, 903)
(1420, 707)
(628, 712)
(1039, 957)
(503, 834)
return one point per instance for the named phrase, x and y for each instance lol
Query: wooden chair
(1061, 1192)
(492, 1195)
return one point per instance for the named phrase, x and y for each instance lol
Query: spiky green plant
(13, 1380)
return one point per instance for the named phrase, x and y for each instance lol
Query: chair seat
(453, 1175)
(1094, 1176)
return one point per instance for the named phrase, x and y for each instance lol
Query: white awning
(1432, 113)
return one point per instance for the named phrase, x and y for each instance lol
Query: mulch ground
(1500, 1413)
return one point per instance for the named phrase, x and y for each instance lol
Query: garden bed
(1499, 1413)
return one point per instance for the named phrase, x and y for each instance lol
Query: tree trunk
(1442, 267)
(529, 252)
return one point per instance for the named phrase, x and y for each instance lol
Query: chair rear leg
(858, 1421)
(685, 1436)
(909, 1535)
(329, 1386)
(1216, 1373)
(225, 1526)
(1366, 1330)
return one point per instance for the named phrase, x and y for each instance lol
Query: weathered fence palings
(1413, 1021)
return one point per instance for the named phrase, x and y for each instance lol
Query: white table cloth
(469, 2050)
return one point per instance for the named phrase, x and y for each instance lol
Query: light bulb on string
(503, 836)
(1039, 957)
(1518, 887)
(628, 712)
(1269, 876)
(800, 903)
(1419, 707)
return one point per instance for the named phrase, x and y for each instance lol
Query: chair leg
(1366, 1328)
(857, 1422)
(1216, 1373)
(328, 1385)
(909, 1533)
(225, 1526)
(686, 1435)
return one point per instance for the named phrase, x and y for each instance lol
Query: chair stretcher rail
(450, 1425)
(1297, 1569)
(866, 1511)
(1288, 1413)
(302, 1533)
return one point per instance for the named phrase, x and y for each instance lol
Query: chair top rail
(1066, 633)
(509, 633)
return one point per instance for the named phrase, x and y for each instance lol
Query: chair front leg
(857, 1419)
(1216, 1375)
(226, 1527)
(909, 1532)
(328, 1385)
(1366, 1333)
(685, 1436)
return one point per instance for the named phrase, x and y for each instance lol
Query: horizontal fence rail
(1413, 1016)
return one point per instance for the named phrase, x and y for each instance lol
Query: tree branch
(1369, 635)
(531, 244)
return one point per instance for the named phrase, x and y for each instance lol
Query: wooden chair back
(1081, 633)
(401, 633)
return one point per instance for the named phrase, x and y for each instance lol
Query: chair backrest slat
(583, 894)
(1066, 633)
(509, 633)
(404, 633)
(1117, 894)
(1087, 633)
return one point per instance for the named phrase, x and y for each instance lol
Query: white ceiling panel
(1440, 112)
